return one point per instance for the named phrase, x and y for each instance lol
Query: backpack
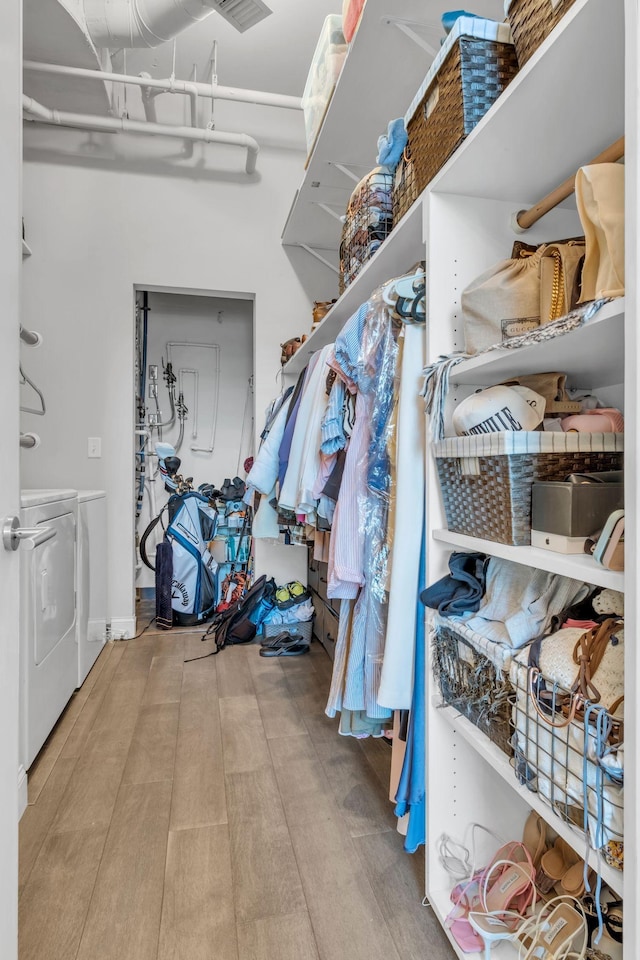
(242, 620)
(192, 524)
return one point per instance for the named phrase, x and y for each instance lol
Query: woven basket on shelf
(532, 21)
(471, 78)
(486, 481)
(469, 681)
(405, 189)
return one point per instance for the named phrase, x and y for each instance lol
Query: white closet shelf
(26, 249)
(591, 355)
(579, 566)
(561, 110)
(400, 251)
(499, 762)
(363, 103)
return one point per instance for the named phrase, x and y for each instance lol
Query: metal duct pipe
(140, 23)
(81, 121)
(214, 91)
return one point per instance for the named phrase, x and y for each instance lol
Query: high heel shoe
(534, 837)
(507, 891)
(552, 935)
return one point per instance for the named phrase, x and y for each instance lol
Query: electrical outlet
(94, 447)
(153, 371)
(154, 419)
(153, 390)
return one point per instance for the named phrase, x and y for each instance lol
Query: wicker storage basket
(405, 189)
(486, 481)
(470, 682)
(466, 78)
(532, 21)
(299, 628)
(367, 224)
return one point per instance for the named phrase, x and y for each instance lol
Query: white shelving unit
(387, 60)
(578, 93)
(517, 154)
(579, 566)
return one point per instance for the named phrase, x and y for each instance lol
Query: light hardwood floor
(210, 811)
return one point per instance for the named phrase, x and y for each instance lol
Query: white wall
(95, 233)
(200, 320)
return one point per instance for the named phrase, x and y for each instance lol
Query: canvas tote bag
(503, 302)
(600, 200)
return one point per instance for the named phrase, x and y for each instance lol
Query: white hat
(498, 409)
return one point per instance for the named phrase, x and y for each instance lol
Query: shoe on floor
(293, 648)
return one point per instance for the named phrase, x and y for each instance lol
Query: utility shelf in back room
(363, 103)
(499, 762)
(591, 355)
(400, 251)
(578, 566)
(561, 110)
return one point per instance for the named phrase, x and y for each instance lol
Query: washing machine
(91, 589)
(48, 651)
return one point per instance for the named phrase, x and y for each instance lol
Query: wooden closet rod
(526, 218)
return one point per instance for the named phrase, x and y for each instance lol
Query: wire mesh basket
(532, 21)
(368, 222)
(471, 683)
(301, 629)
(572, 758)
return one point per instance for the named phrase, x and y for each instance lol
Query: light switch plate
(94, 447)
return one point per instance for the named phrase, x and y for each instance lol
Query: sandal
(292, 648)
(551, 934)
(534, 837)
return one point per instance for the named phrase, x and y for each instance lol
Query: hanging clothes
(396, 682)
(411, 795)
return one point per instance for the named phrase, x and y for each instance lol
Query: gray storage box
(575, 509)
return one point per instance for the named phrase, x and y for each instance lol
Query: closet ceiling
(274, 55)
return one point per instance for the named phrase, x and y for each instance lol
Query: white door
(10, 266)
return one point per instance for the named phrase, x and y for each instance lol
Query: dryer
(91, 591)
(48, 651)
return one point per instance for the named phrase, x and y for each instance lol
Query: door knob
(13, 535)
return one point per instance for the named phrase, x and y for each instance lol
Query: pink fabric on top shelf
(351, 13)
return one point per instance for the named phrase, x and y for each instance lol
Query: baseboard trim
(123, 628)
(23, 795)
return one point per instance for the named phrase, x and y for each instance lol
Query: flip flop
(285, 650)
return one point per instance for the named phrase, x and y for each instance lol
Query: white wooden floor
(210, 811)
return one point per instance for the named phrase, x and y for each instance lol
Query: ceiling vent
(242, 14)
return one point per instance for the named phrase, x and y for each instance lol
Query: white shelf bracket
(347, 172)
(406, 27)
(318, 256)
(329, 210)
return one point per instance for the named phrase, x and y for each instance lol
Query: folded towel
(391, 147)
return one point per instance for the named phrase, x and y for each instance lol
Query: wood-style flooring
(210, 811)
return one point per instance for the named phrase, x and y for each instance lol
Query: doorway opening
(193, 401)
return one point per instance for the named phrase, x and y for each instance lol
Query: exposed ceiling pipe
(141, 23)
(81, 121)
(214, 91)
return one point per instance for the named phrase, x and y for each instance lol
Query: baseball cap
(499, 409)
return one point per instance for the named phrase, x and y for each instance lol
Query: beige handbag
(551, 386)
(600, 200)
(502, 303)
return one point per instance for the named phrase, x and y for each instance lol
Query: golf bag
(192, 524)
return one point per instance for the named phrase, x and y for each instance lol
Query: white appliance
(91, 588)
(48, 654)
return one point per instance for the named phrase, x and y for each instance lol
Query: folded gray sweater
(520, 601)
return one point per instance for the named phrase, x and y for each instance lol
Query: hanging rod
(524, 219)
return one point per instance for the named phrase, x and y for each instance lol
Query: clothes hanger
(406, 297)
(25, 380)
